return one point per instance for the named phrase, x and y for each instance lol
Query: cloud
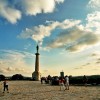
(12, 70)
(98, 62)
(86, 64)
(95, 57)
(8, 12)
(38, 6)
(74, 40)
(94, 4)
(38, 33)
(27, 46)
(14, 61)
(13, 10)
(74, 36)
(59, 1)
(77, 68)
(2, 71)
(91, 68)
(35, 7)
(93, 22)
(93, 18)
(93, 54)
(98, 59)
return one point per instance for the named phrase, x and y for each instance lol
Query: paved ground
(32, 90)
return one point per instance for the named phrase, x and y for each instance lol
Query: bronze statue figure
(37, 48)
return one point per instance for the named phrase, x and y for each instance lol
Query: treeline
(93, 80)
(14, 77)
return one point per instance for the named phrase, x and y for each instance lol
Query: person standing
(85, 80)
(61, 83)
(66, 83)
(5, 86)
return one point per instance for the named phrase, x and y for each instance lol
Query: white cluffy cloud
(34, 7)
(12, 10)
(94, 4)
(81, 37)
(38, 33)
(93, 22)
(74, 36)
(8, 12)
(93, 18)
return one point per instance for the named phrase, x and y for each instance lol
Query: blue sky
(67, 32)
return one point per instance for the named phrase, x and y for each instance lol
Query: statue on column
(36, 73)
(37, 48)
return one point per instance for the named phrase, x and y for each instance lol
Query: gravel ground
(34, 90)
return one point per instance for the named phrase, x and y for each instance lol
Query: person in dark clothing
(85, 80)
(5, 86)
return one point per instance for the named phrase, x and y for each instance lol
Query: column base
(36, 76)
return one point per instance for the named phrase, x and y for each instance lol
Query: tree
(2, 77)
(17, 77)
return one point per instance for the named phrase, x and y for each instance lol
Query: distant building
(62, 74)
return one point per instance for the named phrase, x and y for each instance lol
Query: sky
(67, 32)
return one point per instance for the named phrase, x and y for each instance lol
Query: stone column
(36, 73)
(37, 62)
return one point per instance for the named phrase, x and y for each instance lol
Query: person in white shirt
(5, 85)
(61, 83)
(66, 83)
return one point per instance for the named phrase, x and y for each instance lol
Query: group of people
(64, 83)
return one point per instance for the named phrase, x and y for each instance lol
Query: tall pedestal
(36, 73)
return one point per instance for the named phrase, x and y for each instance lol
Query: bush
(76, 80)
(17, 77)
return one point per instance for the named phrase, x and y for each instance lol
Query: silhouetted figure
(5, 86)
(37, 48)
(49, 78)
(66, 83)
(85, 80)
(43, 79)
